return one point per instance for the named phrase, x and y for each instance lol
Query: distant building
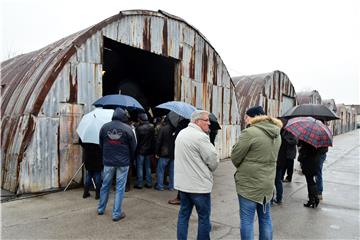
(312, 97)
(273, 91)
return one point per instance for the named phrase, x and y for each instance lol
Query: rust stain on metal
(165, 39)
(181, 52)
(58, 153)
(51, 79)
(214, 69)
(204, 70)
(194, 97)
(147, 35)
(26, 140)
(73, 89)
(204, 67)
(230, 108)
(192, 63)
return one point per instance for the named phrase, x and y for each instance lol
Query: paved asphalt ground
(66, 215)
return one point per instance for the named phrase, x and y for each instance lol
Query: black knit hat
(255, 111)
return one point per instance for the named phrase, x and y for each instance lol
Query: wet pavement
(66, 215)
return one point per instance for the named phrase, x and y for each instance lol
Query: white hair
(198, 114)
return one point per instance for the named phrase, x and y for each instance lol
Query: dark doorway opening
(147, 77)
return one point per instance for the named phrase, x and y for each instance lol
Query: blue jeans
(140, 161)
(96, 175)
(160, 171)
(319, 180)
(121, 176)
(278, 184)
(247, 214)
(202, 202)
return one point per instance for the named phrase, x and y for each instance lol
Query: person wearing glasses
(254, 156)
(195, 161)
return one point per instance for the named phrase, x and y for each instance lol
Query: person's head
(201, 118)
(121, 115)
(253, 112)
(142, 117)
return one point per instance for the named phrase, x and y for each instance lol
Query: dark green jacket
(254, 156)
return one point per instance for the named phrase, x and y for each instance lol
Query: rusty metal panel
(197, 94)
(269, 90)
(39, 168)
(136, 32)
(91, 50)
(199, 52)
(113, 32)
(186, 89)
(124, 29)
(226, 106)
(235, 117)
(12, 156)
(89, 82)
(154, 26)
(69, 150)
(174, 35)
(217, 102)
(312, 97)
(59, 93)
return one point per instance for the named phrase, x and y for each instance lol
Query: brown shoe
(123, 215)
(174, 201)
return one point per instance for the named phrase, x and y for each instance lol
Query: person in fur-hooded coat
(254, 156)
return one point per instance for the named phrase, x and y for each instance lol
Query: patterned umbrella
(181, 108)
(310, 130)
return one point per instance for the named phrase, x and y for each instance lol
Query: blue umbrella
(118, 100)
(181, 108)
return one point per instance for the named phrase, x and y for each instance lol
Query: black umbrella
(318, 111)
(174, 118)
(214, 124)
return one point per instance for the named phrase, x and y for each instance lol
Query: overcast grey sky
(315, 42)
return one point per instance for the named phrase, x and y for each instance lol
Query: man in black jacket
(164, 149)
(118, 144)
(145, 140)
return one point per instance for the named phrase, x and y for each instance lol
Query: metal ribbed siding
(267, 90)
(330, 103)
(61, 81)
(312, 97)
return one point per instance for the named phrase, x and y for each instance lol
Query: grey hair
(198, 114)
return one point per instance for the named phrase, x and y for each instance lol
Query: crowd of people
(186, 159)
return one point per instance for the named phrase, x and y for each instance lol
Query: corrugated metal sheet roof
(312, 97)
(268, 90)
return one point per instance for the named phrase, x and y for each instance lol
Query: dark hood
(121, 115)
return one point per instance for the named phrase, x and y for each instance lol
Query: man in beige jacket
(195, 160)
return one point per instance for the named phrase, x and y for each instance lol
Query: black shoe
(137, 187)
(86, 195)
(311, 204)
(148, 186)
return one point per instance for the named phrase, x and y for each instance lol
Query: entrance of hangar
(148, 77)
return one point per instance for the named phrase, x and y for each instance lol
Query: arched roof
(307, 97)
(265, 89)
(27, 78)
